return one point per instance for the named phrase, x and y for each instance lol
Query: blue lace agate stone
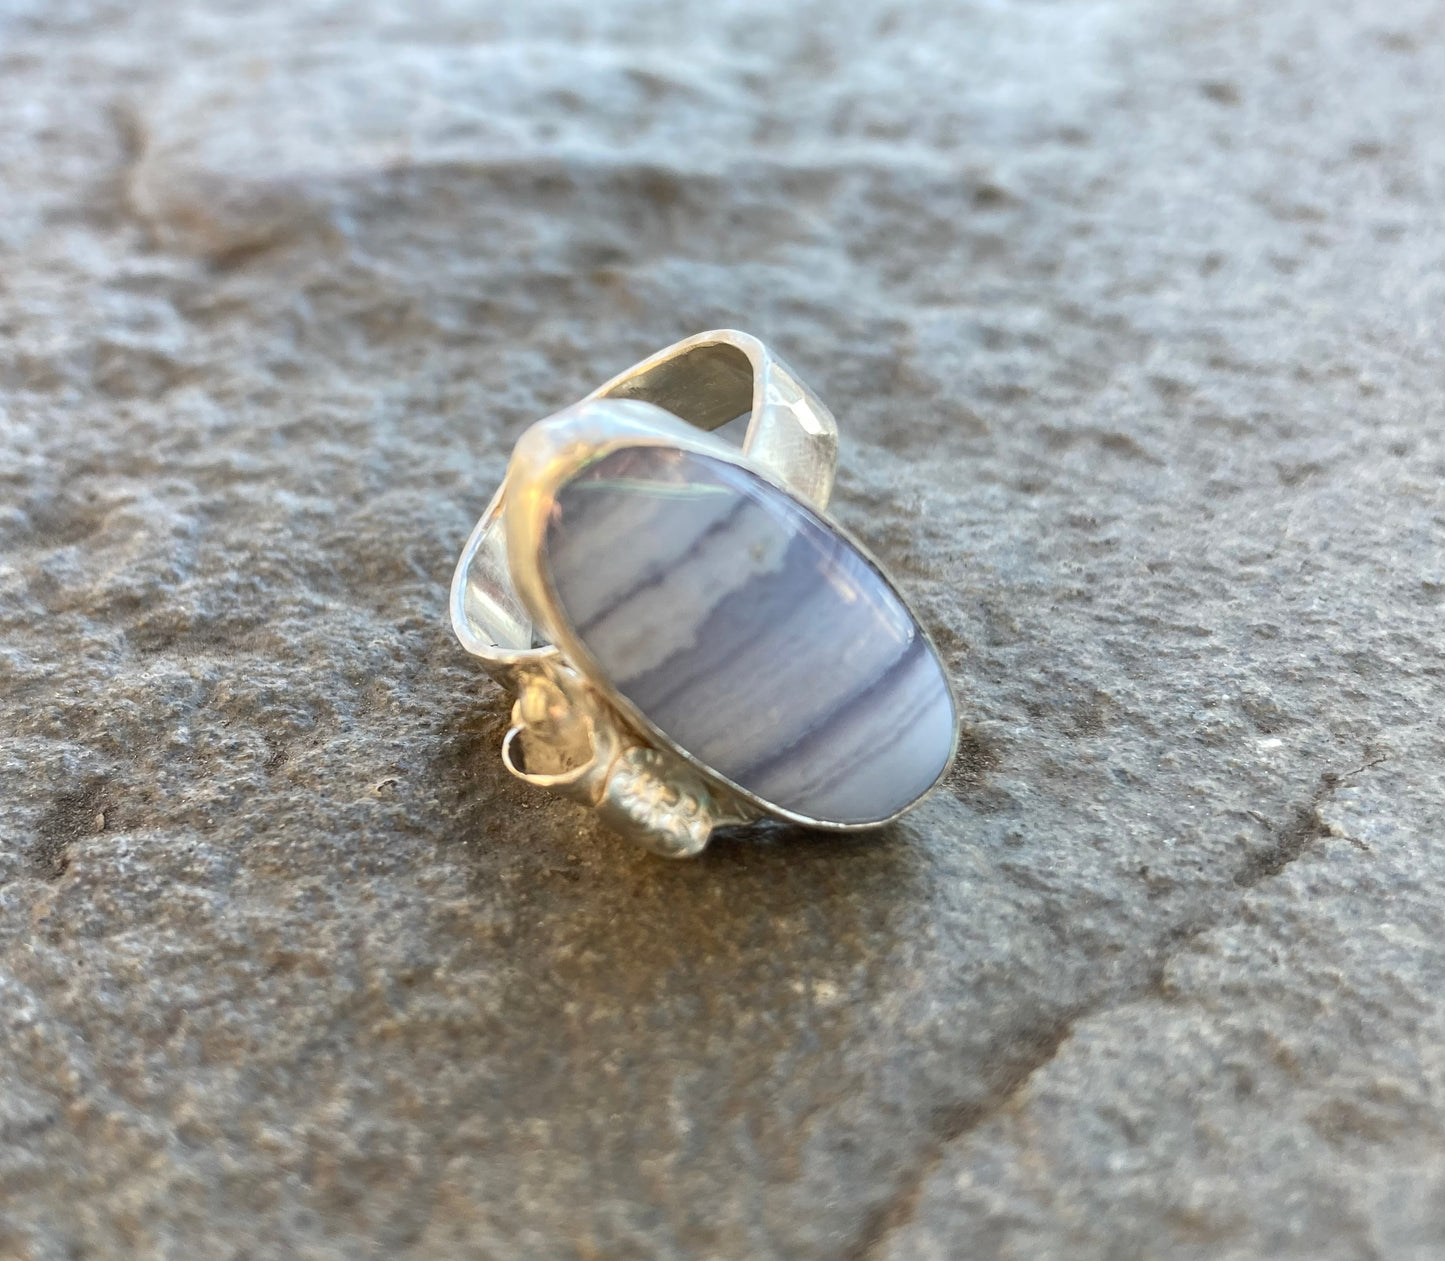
(750, 633)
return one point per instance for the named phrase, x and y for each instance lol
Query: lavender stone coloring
(752, 634)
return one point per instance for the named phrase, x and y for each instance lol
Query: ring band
(691, 641)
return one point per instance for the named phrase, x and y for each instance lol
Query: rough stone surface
(1131, 314)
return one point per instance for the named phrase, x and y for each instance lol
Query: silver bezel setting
(598, 746)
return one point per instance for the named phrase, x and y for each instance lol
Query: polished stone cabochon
(749, 632)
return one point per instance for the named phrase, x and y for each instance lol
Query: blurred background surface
(1131, 316)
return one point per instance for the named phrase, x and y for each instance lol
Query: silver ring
(691, 640)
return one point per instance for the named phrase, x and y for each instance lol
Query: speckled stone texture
(1131, 316)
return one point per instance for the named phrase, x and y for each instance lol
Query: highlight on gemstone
(748, 631)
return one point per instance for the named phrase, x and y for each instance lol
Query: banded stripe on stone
(752, 634)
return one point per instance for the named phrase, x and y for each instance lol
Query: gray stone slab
(1131, 317)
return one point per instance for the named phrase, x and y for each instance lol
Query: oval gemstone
(750, 633)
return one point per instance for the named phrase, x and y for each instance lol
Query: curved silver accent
(707, 380)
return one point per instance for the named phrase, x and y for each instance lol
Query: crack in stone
(951, 1123)
(1305, 826)
(1044, 1044)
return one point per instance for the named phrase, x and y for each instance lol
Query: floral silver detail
(570, 739)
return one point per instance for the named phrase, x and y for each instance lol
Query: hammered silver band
(708, 380)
